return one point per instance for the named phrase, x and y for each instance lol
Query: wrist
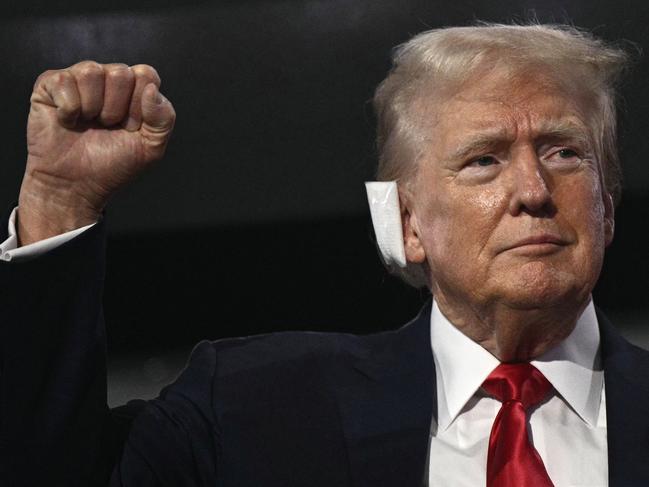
(46, 212)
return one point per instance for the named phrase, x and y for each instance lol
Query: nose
(530, 192)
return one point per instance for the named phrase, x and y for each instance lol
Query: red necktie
(512, 460)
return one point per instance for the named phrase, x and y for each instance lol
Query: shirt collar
(572, 367)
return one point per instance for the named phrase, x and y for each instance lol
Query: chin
(537, 286)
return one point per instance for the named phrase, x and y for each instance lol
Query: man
(502, 143)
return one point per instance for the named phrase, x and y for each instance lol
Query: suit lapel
(387, 405)
(627, 408)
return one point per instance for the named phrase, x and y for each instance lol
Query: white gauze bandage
(383, 198)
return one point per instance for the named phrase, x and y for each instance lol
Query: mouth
(537, 244)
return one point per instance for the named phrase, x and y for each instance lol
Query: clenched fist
(92, 128)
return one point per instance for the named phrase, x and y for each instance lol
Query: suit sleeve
(53, 411)
(55, 426)
(175, 440)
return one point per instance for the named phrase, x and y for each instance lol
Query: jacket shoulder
(264, 353)
(239, 395)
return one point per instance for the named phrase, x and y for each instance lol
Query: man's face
(507, 205)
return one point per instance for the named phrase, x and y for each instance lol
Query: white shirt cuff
(10, 252)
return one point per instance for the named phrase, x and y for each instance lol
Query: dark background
(257, 220)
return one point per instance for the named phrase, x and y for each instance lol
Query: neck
(513, 334)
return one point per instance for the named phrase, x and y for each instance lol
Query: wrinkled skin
(92, 129)
(508, 214)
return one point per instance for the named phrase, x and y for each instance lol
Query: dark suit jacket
(286, 409)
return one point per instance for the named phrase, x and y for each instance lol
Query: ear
(609, 218)
(415, 252)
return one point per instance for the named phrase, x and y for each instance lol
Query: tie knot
(517, 382)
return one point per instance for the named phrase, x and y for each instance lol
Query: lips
(541, 242)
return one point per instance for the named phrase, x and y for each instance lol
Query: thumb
(158, 117)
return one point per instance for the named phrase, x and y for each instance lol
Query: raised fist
(92, 128)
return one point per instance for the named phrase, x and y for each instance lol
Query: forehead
(505, 108)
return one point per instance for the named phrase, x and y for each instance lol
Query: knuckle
(146, 72)
(48, 73)
(119, 72)
(88, 69)
(116, 68)
(43, 76)
(60, 78)
(110, 66)
(87, 63)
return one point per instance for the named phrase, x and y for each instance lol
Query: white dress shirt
(9, 250)
(568, 430)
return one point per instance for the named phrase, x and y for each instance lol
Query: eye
(484, 161)
(564, 157)
(567, 153)
(480, 169)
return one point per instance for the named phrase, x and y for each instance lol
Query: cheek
(459, 225)
(583, 213)
(585, 210)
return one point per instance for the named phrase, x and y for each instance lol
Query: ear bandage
(383, 198)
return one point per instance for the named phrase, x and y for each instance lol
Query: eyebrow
(564, 130)
(547, 130)
(478, 143)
